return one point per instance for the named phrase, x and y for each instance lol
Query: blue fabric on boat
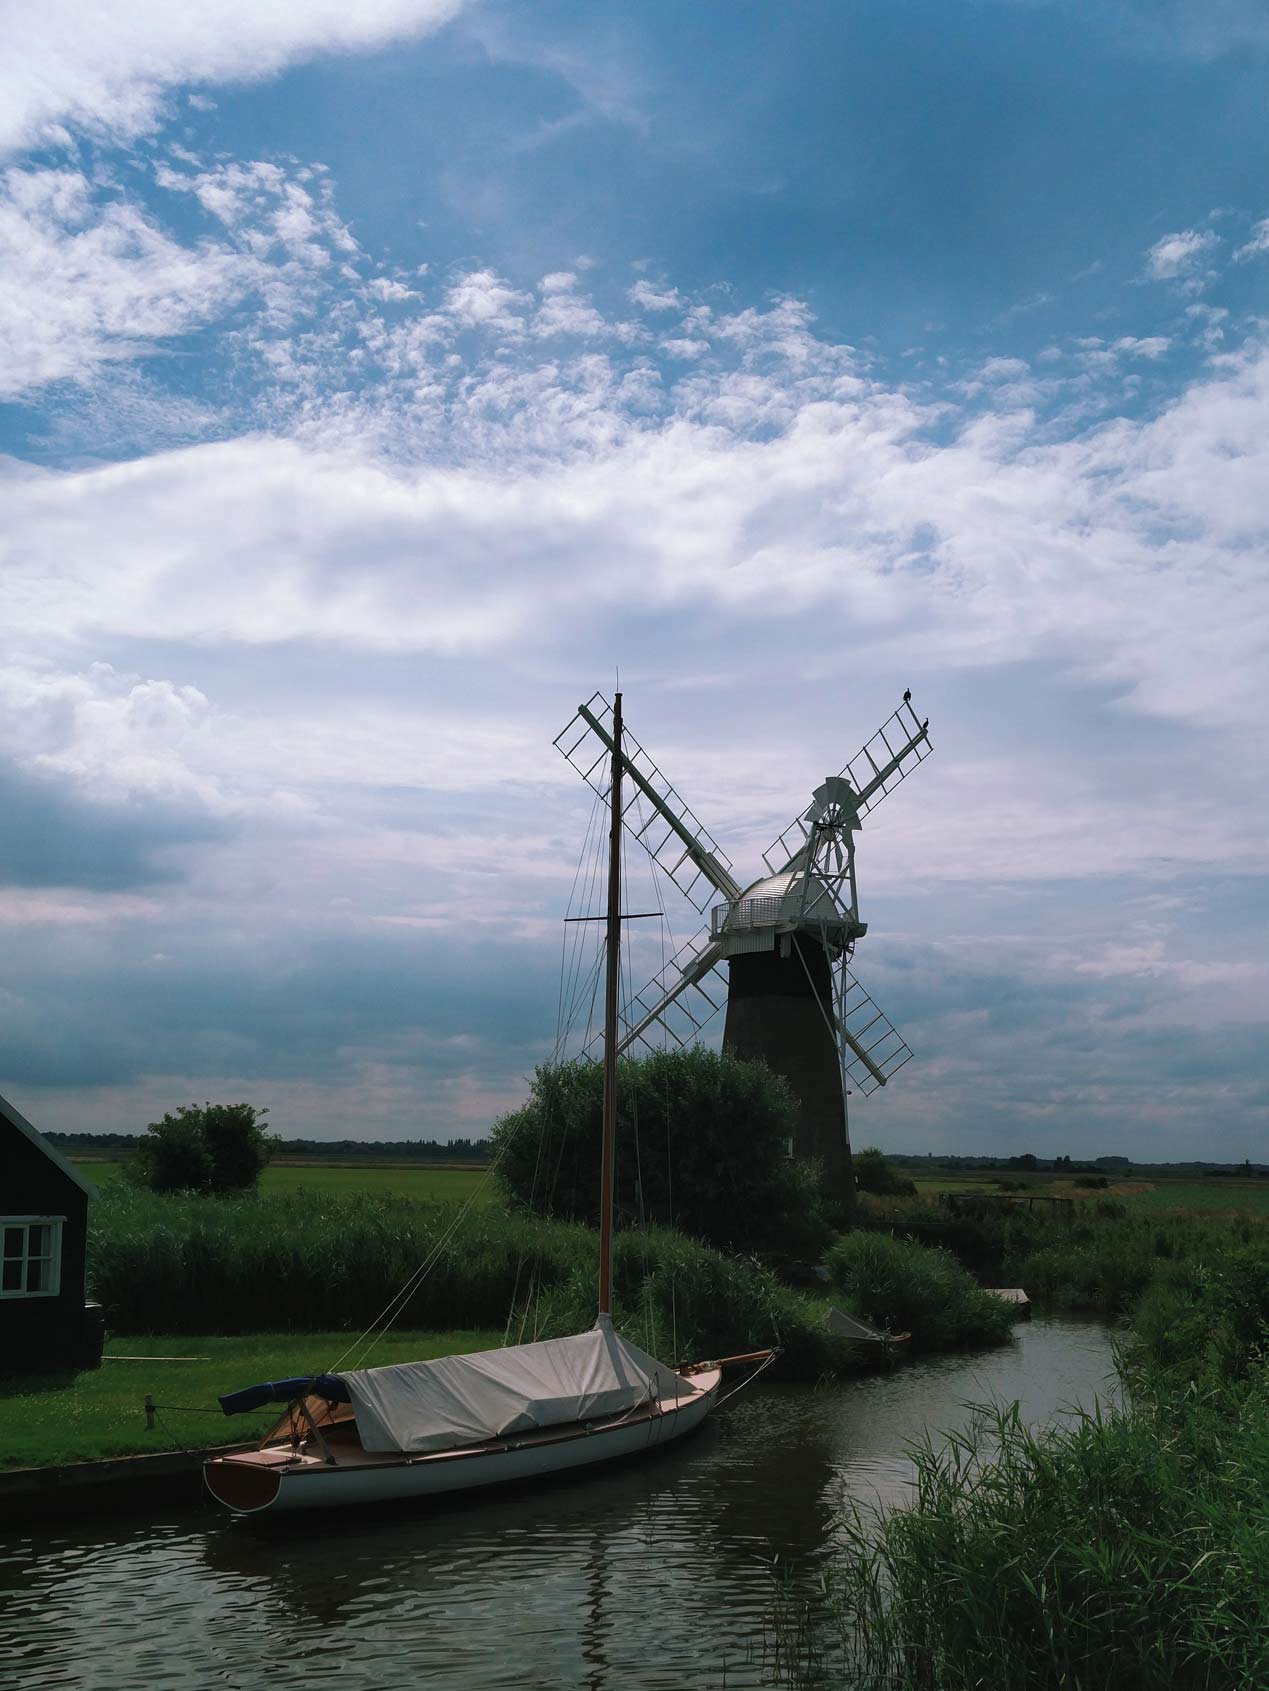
(328, 1386)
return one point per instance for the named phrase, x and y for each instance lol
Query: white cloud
(1128, 551)
(116, 734)
(1004, 369)
(1177, 255)
(106, 70)
(564, 311)
(92, 279)
(650, 298)
(684, 347)
(1259, 242)
(385, 288)
(482, 299)
(88, 282)
(271, 211)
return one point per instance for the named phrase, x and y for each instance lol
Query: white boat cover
(459, 1400)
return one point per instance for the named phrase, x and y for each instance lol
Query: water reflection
(653, 1575)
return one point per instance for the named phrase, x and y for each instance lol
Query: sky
(378, 382)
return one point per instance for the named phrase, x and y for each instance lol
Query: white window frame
(27, 1222)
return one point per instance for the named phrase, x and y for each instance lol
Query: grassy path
(85, 1417)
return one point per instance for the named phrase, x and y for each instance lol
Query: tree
(702, 1144)
(216, 1148)
(874, 1174)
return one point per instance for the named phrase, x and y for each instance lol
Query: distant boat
(421, 1429)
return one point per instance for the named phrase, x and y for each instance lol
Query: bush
(918, 1289)
(702, 1145)
(874, 1174)
(215, 1148)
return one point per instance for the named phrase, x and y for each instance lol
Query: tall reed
(1126, 1549)
(168, 1264)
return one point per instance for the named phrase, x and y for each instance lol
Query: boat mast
(610, 1021)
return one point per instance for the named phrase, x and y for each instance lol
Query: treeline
(434, 1150)
(1122, 1167)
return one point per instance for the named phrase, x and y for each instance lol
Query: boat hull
(276, 1481)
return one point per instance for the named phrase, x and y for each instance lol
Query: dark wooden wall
(35, 1332)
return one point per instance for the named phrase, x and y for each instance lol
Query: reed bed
(1121, 1550)
(1100, 1261)
(1128, 1547)
(175, 1264)
(171, 1264)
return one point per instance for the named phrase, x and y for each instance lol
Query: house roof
(8, 1113)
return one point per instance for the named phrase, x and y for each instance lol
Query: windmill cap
(777, 900)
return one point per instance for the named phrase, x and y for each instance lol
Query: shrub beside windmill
(787, 938)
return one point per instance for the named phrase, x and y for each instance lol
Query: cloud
(117, 737)
(564, 311)
(1176, 255)
(1259, 242)
(651, 298)
(480, 299)
(271, 210)
(385, 288)
(53, 837)
(106, 71)
(92, 279)
(1098, 549)
(90, 283)
(1004, 369)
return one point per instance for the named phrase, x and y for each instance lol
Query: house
(43, 1243)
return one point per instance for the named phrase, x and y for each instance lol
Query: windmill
(787, 938)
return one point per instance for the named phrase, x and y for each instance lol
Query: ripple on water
(646, 1576)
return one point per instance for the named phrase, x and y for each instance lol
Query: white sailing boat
(458, 1423)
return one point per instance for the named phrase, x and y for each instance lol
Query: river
(656, 1575)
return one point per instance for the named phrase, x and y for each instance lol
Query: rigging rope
(379, 1326)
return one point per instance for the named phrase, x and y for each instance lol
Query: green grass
(426, 1185)
(54, 1419)
(1214, 1197)
(1211, 1197)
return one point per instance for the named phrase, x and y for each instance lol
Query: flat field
(1200, 1197)
(1194, 1197)
(344, 1180)
(47, 1419)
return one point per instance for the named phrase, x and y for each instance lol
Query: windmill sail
(877, 768)
(681, 999)
(672, 835)
(877, 1050)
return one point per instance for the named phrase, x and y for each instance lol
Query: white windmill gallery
(777, 951)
